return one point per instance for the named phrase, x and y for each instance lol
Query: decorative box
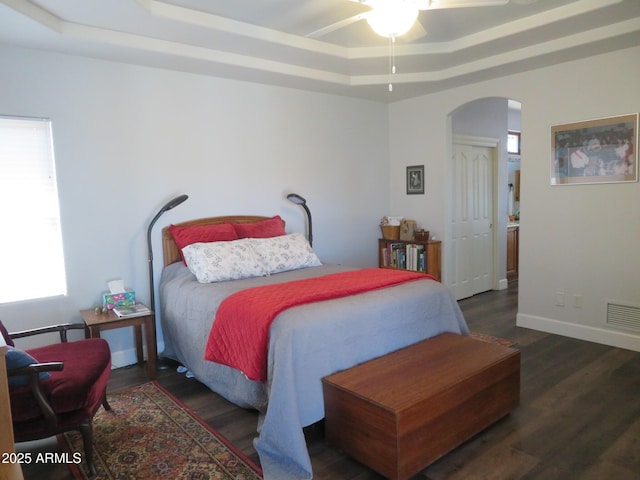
(124, 299)
(422, 235)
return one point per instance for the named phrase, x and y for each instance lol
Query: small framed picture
(415, 179)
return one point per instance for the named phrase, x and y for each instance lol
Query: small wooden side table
(97, 322)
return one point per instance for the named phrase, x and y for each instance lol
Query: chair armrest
(33, 371)
(61, 328)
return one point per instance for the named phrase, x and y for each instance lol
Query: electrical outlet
(577, 301)
(560, 299)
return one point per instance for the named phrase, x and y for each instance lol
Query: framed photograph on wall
(595, 151)
(415, 179)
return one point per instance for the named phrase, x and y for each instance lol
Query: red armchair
(57, 388)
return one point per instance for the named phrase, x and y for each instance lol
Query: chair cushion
(3, 331)
(79, 386)
(17, 358)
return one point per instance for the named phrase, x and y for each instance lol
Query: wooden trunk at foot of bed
(400, 412)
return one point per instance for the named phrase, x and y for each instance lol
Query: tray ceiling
(265, 42)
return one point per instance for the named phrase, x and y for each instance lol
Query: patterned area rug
(149, 434)
(505, 342)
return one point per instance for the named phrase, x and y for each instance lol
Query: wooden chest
(399, 413)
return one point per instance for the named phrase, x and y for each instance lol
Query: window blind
(32, 264)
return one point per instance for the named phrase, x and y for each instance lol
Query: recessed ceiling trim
(214, 22)
(171, 48)
(160, 34)
(551, 46)
(227, 25)
(489, 35)
(209, 21)
(36, 13)
(138, 42)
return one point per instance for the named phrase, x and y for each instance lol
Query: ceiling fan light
(393, 19)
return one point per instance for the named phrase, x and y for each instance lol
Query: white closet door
(472, 219)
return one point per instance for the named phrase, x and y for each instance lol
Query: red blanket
(240, 332)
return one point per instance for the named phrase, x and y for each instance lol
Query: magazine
(137, 310)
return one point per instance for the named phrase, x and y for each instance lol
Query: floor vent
(626, 316)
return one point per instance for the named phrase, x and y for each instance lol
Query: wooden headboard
(170, 251)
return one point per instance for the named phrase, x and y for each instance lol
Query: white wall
(128, 139)
(573, 239)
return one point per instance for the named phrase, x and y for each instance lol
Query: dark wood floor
(579, 416)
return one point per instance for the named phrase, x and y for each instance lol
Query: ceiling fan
(393, 18)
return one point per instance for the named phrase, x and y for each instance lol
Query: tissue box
(124, 299)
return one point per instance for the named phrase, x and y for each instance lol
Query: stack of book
(405, 256)
(136, 310)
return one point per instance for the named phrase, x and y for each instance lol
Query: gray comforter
(306, 343)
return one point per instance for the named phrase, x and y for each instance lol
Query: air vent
(625, 316)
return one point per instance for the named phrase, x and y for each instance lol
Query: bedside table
(97, 322)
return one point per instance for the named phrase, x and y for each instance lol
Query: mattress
(306, 343)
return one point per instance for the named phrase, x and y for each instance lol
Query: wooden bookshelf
(421, 256)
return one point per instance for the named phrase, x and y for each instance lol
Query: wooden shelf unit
(432, 250)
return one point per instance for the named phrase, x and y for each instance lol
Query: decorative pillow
(184, 236)
(284, 253)
(271, 227)
(16, 359)
(221, 261)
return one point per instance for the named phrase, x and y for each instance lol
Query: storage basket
(422, 235)
(390, 232)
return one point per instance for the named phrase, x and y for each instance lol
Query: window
(31, 243)
(513, 143)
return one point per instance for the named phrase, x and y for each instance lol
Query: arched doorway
(479, 178)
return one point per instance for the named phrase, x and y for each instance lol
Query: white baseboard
(124, 358)
(605, 336)
(503, 284)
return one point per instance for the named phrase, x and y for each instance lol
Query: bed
(305, 343)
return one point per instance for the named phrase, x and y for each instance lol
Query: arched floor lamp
(152, 303)
(299, 200)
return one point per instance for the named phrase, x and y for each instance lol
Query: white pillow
(284, 253)
(221, 261)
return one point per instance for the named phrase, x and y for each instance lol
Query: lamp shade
(297, 199)
(392, 19)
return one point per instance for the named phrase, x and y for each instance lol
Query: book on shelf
(415, 258)
(406, 256)
(136, 310)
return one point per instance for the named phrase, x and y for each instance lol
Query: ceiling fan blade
(417, 31)
(337, 26)
(441, 4)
